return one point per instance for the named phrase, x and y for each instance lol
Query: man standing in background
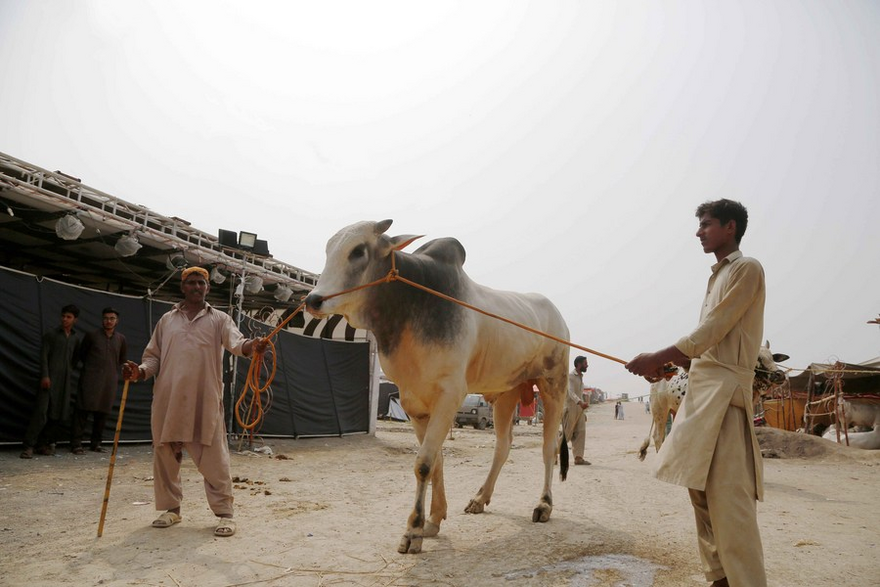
(103, 352)
(59, 353)
(573, 418)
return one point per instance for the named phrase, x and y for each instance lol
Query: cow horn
(383, 226)
(398, 243)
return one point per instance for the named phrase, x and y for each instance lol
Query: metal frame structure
(32, 199)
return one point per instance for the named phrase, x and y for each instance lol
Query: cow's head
(356, 255)
(767, 372)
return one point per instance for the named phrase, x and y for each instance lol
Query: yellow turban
(190, 270)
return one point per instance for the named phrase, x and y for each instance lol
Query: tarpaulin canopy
(321, 388)
(857, 378)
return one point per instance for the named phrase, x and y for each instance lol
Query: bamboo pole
(839, 407)
(113, 459)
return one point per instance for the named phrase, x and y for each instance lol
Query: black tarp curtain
(321, 387)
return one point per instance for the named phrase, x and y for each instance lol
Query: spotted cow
(437, 351)
(667, 394)
(666, 397)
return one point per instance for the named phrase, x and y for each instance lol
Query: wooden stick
(113, 458)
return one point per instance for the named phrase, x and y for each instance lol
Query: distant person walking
(103, 352)
(59, 353)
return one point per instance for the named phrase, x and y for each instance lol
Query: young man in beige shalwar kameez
(185, 354)
(712, 449)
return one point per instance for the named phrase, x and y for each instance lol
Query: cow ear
(398, 243)
(780, 357)
(382, 226)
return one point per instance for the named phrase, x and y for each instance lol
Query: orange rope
(253, 379)
(253, 387)
(255, 410)
(503, 319)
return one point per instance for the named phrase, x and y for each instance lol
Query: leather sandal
(166, 520)
(225, 527)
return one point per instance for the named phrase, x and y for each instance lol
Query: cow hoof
(474, 507)
(541, 513)
(410, 545)
(431, 529)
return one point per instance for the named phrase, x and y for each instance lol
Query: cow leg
(660, 416)
(659, 412)
(553, 394)
(438, 495)
(438, 498)
(503, 414)
(438, 490)
(431, 431)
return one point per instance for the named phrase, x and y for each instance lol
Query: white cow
(862, 416)
(862, 412)
(865, 440)
(437, 352)
(667, 395)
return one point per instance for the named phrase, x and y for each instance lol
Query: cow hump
(443, 250)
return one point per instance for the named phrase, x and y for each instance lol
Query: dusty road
(330, 511)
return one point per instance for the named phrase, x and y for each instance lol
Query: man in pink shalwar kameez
(185, 355)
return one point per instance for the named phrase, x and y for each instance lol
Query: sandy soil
(330, 511)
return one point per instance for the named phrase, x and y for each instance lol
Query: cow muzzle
(777, 376)
(314, 303)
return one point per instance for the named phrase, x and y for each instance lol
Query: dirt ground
(330, 511)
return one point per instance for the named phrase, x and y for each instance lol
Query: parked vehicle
(474, 411)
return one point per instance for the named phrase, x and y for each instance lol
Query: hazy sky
(565, 144)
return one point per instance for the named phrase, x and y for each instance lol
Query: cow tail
(563, 458)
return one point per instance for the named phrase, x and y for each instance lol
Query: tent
(857, 378)
(326, 383)
(858, 382)
(321, 388)
(395, 410)
(389, 402)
